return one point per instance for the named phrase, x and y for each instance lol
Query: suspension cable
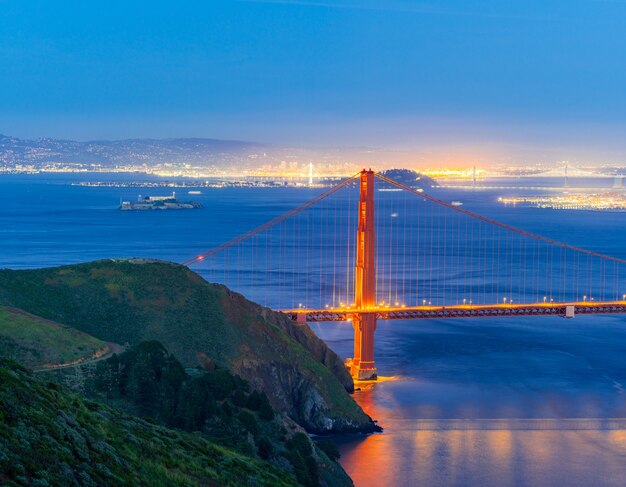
(495, 222)
(271, 223)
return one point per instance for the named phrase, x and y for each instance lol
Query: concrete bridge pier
(363, 366)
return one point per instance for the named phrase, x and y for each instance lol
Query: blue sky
(492, 79)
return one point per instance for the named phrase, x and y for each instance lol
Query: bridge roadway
(565, 310)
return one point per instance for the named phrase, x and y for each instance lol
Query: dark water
(515, 402)
(493, 403)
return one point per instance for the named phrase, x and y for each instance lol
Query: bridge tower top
(365, 289)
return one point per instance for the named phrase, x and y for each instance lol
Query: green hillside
(51, 437)
(136, 300)
(35, 342)
(150, 382)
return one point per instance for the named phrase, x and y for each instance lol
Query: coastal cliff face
(304, 379)
(309, 340)
(129, 301)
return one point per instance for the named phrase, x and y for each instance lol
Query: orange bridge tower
(364, 322)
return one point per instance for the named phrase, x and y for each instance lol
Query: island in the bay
(159, 203)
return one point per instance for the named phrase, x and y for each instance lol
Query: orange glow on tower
(364, 323)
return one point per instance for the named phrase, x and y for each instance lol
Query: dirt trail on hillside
(107, 352)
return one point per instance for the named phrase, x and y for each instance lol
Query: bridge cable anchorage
(273, 222)
(496, 222)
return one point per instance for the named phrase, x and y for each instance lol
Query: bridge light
(200, 257)
(423, 302)
(397, 303)
(545, 298)
(624, 297)
(584, 298)
(464, 300)
(552, 300)
(504, 299)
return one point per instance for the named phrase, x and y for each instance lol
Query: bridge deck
(462, 311)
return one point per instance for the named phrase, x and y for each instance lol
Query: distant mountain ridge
(110, 153)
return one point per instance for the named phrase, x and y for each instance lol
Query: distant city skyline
(483, 82)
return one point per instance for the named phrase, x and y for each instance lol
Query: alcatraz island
(159, 203)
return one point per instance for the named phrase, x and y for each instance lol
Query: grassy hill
(135, 300)
(35, 342)
(51, 437)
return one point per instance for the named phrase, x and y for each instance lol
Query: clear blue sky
(533, 78)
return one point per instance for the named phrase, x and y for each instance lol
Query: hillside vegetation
(51, 437)
(36, 343)
(149, 381)
(134, 300)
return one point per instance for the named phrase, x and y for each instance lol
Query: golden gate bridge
(371, 248)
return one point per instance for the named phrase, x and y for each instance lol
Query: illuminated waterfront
(610, 201)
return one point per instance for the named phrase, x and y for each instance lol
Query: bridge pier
(363, 366)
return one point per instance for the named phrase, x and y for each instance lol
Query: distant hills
(210, 154)
(408, 177)
(109, 153)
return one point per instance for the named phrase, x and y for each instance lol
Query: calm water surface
(516, 402)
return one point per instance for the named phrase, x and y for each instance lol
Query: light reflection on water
(535, 402)
(406, 456)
